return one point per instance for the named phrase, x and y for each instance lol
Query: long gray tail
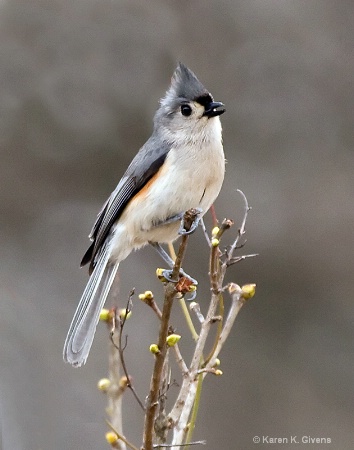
(83, 326)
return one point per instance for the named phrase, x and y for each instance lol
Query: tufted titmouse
(180, 167)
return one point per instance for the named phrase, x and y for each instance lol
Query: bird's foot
(167, 274)
(185, 284)
(194, 223)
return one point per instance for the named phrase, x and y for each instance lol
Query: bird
(180, 167)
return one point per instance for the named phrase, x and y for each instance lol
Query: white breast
(191, 177)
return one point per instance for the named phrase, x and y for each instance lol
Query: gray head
(187, 106)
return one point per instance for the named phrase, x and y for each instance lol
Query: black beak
(214, 109)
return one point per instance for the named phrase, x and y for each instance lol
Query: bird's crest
(185, 85)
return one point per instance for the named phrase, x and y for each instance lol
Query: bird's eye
(186, 110)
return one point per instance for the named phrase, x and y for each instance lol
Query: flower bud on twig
(111, 438)
(215, 231)
(103, 384)
(105, 315)
(215, 242)
(172, 339)
(248, 291)
(154, 349)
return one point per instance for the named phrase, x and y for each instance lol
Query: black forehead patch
(204, 99)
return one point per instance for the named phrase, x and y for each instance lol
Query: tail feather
(83, 326)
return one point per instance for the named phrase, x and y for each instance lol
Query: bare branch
(237, 302)
(237, 259)
(188, 319)
(148, 299)
(195, 307)
(241, 230)
(121, 322)
(180, 360)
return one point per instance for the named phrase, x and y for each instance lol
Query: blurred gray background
(79, 84)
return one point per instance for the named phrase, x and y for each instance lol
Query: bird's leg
(162, 252)
(169, 220)
(182, 231)
(166, 257)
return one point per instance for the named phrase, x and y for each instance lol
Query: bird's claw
(182, 231)
(191, 296)
(186, 285)
(167, 274)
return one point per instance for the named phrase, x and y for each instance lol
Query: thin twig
(213, 215)
(180, 360)
(237, 302)
(216, 277)
(241, 230)
(188, 318)
(237, 259)
(121, 437)
(121, 348)
(214, 269)
(153, 305)
(180, 445)
(219, 329)
(195, 307)
(125, 370)
(226, 224)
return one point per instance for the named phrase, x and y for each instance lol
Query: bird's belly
(168, 199)
(171, 192)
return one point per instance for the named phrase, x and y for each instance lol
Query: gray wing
(143, 167)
